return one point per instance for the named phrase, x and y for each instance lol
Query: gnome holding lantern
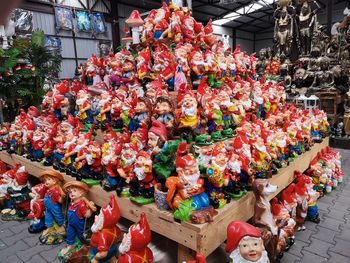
(54, 220)
(134, 245)
(245, 244)
(79, 209)
(37, 209)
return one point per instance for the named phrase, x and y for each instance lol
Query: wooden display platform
(204, 238)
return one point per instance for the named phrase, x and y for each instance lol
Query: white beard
(246, 104)
(80, 101)
(106, 159)
(221, 167)
(140, 172)
(226, 103)
(204, 159)
(234, 166)
(237, 258)
(36, 138)
(247, 153)
(89, 158)
(192, 179)
(198, 63)
(99, 225)
(189, 111)
(282, 143)
(128, 162)
(101, 103)
(261, 148)
(258, 99)
(125, 246)
(67, 144)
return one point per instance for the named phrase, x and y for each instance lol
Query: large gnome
(134, 245)
(245, 244)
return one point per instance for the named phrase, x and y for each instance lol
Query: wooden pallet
(204, 238)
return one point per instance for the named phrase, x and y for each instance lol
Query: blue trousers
(53, 212)
(200, 201)
(111, 252)
(75, 227)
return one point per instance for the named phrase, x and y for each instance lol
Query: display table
(204, 238)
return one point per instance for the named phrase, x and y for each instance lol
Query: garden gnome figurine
(245, 244)
(134, 245)
(37, 209)
(79, 209)
(54, 220)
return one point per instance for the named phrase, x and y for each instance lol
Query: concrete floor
(328, 241)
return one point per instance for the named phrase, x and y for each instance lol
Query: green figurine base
(141, 200)
(12, 215)
(53, 237)
(236, 196)
(64, 258)
(91, 182)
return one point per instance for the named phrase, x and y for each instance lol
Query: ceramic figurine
(164, 112)
(18, 193)
(104, 113)
(37, 143)
(142, 181)
(144, 64)
(54, 220)
(203, 148)
(15, 142)
(261, 158)
(302, 196)
(141, 116)
(4, 133)
(263, 218)
(110, 161)
(187, 115)
(198, 66)
(105, 236)
(187, 185)
(217, 173)
(245, 243)
(133, 248)
(84, 105)
(234, 187)
(37, 209)
(80, 208)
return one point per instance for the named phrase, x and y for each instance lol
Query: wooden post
(115, 26)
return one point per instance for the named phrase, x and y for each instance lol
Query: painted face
(221, 159)
(50, 181)
(75, 193)
(163, 107)
(251, 248)
(140, 107)
(152, 140)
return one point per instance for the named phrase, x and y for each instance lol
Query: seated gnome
(79, 209)
(54, 220)
(19, 196)
(134, 245)
(142, 181)
(245, 244)
(105, 235)
(187, 186)
(37, 209)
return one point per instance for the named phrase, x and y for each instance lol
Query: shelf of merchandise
(204, 238)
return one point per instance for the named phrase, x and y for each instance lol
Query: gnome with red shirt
(245, 244)
(37, 209)
(105, 233)
(134, 245)
(19, 195)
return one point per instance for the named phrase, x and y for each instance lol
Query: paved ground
(328, 241)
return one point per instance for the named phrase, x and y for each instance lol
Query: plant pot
(160, 197)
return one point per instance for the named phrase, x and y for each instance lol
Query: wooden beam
(115, 26)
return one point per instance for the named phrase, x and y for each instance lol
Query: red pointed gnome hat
(33, 111)
(111, 213)
(21, 175)
(288, 194)
(159, 129)
(276, 207)
(140, 234)
(40, 189)
(237, 230)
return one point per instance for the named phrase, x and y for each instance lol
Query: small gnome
(142, 181)
(54, 220)
(134, 245)
(37, 209)
(19, 196)
(245, 244)
(80, 208)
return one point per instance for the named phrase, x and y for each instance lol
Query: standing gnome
(80, 208)
(54, 220)
(245, 244)
(37, 209)
(134, 245)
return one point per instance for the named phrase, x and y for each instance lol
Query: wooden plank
(214, 235)
(204, 238)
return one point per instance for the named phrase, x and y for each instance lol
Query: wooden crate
(204, 238)
(333, 104)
